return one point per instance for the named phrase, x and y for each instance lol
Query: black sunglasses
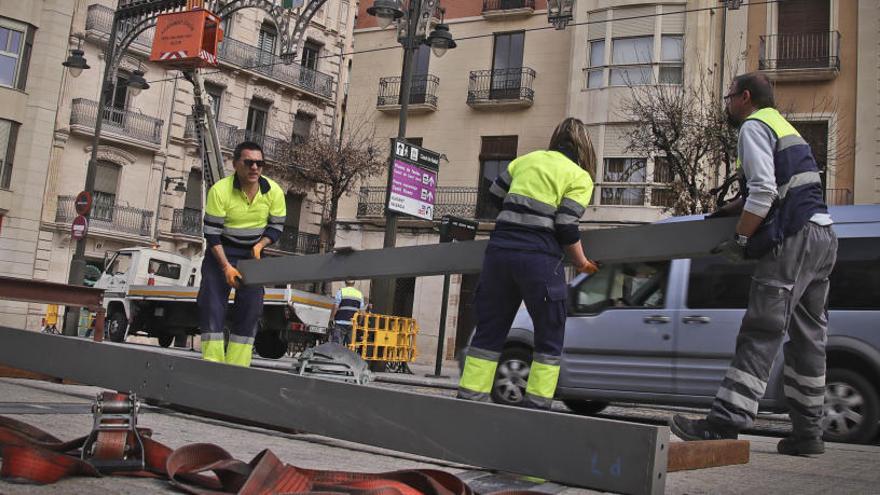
(251, 163)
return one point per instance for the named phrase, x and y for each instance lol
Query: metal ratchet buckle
(114, 443)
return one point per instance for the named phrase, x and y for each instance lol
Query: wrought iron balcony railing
(225, 131)
(836, 197)
(100, 18)
(818, 50)
(423, 90)
(187, 221)
(493, 85)
(293, 241)
(450, 200)
(122, 122)
(108, 217)
(273, 148)
(495, 5)
(272, 66)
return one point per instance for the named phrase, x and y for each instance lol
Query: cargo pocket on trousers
(769, 307)
(555, 300)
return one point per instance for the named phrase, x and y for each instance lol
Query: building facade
(148, 189)
(513, 77)
(33, 44)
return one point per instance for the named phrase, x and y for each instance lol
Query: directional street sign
(413, 180)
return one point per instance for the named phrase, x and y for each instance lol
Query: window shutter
(596, 29)
(106, 178)
(643, 26)
(672, 23)
(498, 147)
(617, 139)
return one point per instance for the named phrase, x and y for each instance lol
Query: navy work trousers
(510, 277)
(214, 298)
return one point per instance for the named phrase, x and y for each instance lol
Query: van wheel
(116, 325)
(852, 408)
(511, 376)
(270, 345)
(165, 340)
(585, 407)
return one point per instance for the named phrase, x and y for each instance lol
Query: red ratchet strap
(117, 447)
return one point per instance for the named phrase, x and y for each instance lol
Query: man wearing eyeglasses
(244, 213)
(783, 224)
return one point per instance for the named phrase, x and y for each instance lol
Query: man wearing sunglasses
(785, 226)
(243, 214)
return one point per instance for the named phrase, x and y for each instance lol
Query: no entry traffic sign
(79, 227)
(83, 203)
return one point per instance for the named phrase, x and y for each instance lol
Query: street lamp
(441, 40)
(412, 29)
(137, 83)
(76, 62)
(386, 12)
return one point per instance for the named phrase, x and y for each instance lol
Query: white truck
(153, 293)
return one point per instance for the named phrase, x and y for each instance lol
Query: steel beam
(19, 289)
(581, 451)
(643, 243)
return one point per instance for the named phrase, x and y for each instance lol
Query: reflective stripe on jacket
(350, 302)
(230, 219)
(544, 191)
(798, 183)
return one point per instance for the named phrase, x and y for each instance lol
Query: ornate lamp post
(412, 31)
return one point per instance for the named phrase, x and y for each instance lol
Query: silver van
(664, 332)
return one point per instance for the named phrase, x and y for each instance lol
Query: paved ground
(63, 410)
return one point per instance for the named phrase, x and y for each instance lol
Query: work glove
(233, 276)
(587, 267)
(730, 250)
(257, 250)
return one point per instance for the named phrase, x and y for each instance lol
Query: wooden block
(684, 456)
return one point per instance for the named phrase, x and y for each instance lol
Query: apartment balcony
(506, 9)
(186, 221)
(422, 94)
(293, 241)
(450, 200)
(501, 88)
(125, 126)
(800, 56)
(838, 197)
(226, 132)
(273, 148)
(108, 219)
(99, 20)
(271, 66)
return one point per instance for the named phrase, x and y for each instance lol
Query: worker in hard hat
(243, 214)
(542, 196)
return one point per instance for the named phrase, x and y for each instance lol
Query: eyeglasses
(251, 163)
(731, 95)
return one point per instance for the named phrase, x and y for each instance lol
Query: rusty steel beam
(40, 291)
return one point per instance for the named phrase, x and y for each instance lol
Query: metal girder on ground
(642, 243)
(588, 452)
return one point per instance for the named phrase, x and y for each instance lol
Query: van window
(625, 285)
(855, 282)
(717, 283)
(165, 269)
(120, 264)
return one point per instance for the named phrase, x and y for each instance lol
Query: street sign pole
(452, 229)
